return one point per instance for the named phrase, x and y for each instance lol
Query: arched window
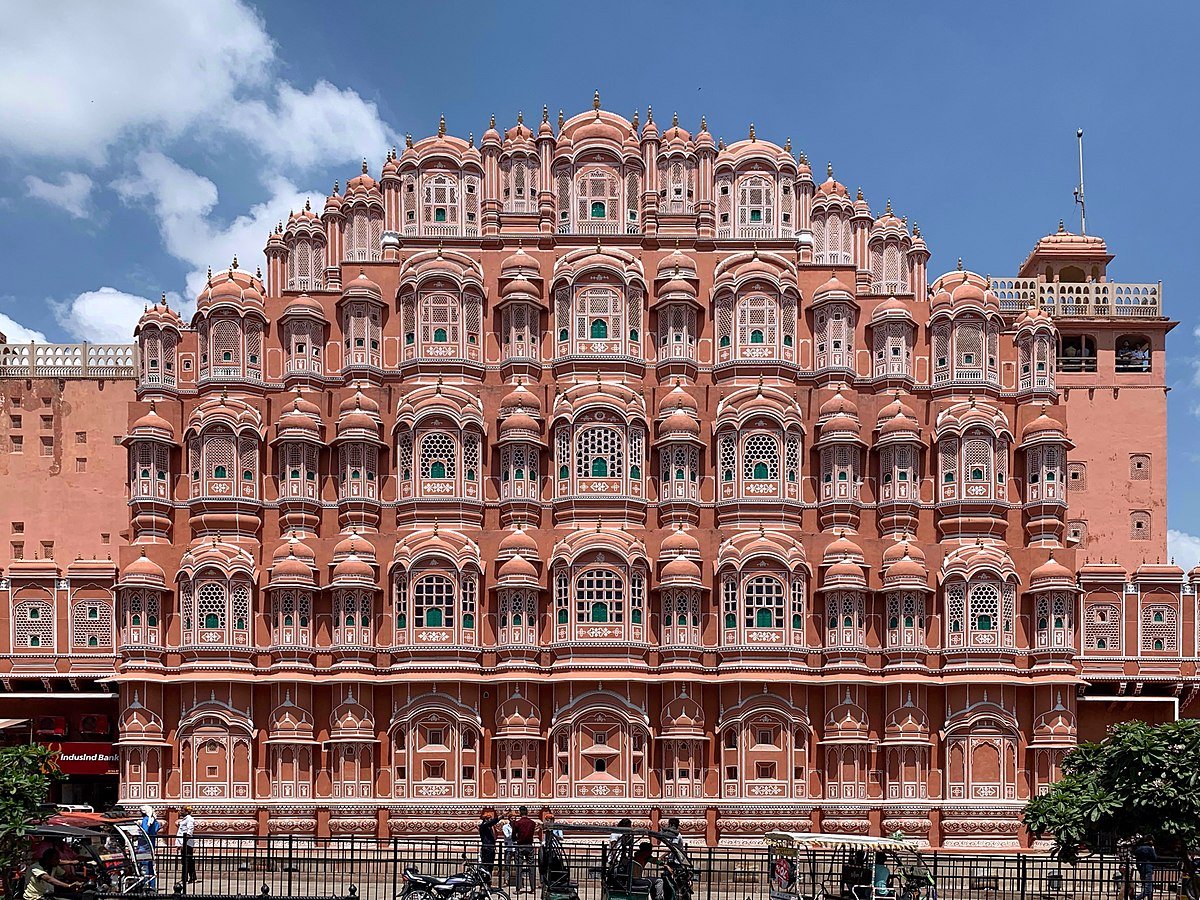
(758, 324)
(599, 453)
(433, 597)
(760, 457)
(599, 596)
(438, 451)
(763, 602)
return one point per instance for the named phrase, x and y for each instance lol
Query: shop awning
(12, 723)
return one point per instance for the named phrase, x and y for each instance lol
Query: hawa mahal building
(608, 470)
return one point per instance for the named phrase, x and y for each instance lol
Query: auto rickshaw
(108, 855)
(808, 866)
(638, 864)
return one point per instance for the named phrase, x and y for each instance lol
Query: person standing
(150, 828)
(524, 830)
(185, 840)
(488, 820)
(1144, 857)
(506, 864)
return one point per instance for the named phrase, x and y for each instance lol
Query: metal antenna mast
(1079, 190)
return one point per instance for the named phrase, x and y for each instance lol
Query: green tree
(1140, 782)
(26, 773)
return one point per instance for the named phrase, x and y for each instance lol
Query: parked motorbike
(473, 883)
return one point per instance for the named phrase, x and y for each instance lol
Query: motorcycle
(473, 883)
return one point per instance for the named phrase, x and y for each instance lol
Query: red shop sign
(86, 758)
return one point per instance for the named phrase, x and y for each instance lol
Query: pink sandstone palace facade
(605, 469)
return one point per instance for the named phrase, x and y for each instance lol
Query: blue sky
(144, 141)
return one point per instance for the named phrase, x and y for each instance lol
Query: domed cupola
(1036, 339)
(357, 447)
(230, 321)
(522, 447)
(893, 335)
(1044, 444)
(834, 320)
(889, 244)
(677, 307)
(841, 454)
(158, 333)
(523, 306)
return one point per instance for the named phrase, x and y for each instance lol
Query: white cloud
(103, 70)
(1184, 548)
(103, 316)
(325, 125)
(72, 194)
(16, 333)
(182, 201)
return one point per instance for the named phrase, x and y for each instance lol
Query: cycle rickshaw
(808, 866)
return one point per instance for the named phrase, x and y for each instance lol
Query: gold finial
(1061, 226)
(804, 157)
(960, 268)
(308, 205)
(596, 100)
(704, 123)
(720, 143)
(649, 113)
(916, 230)
(492, 121)
(520, 117)
(829, 169)
(888, 209)
(635, 121)
(442, 125)
(560, 120)
(164, 298)
(787, 145)
(210, 276)
(364, 165)
(545, 113)
(408, 140)
(470, 139)
(235, 260)
(752, 136)
(860, 194)
(337, 186)
(675, 120)
(258, 272)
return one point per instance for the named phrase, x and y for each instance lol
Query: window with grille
(941, 352)
(760, 458)
(521, 324)
(758, 326)
(1139, 466)
(984, 613)
(1077, 476)
(438, 456)
(440, 321)
(226, 347)
(677, 331)
(955, 599)
(756, 207)
(1102, 627)
(292, 618)
(1054, 621)
(1160, 629)
(363, 235)
(762, 602)
(1139, 525)
(893, 349)
(598, 199)
(845, 619)
(92, 624)
(598, 453)
(599, 597)
(433, 602)
(211, 611)
(599, 317)
(905, 619)
(33, 625)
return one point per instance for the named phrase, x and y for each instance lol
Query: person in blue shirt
(151, 826)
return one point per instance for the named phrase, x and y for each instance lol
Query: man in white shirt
(185, 840)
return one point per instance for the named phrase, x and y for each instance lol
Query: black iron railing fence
(292, 866)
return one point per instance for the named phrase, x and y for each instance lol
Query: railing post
(708, 876)
(395, 867)
(1022, 874)
(291, 862)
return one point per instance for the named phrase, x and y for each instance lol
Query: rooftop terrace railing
(85, 360)
(1117, 299)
